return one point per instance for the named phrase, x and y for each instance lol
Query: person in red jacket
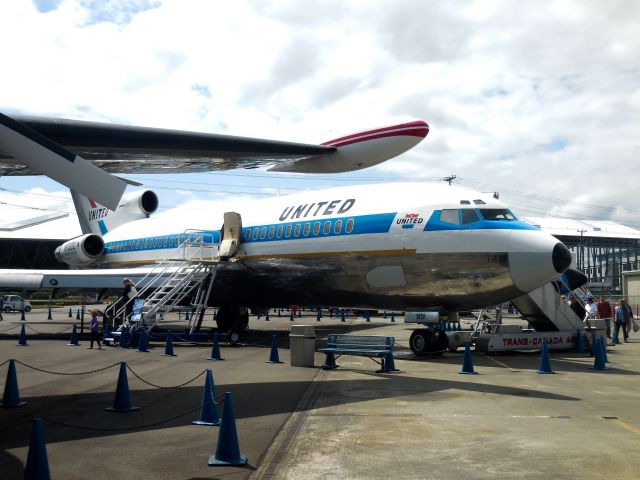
(605, 312)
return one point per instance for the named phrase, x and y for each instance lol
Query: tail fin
(95, 218)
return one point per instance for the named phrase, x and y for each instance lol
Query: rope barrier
(66, 373)
(10, 328)
(49, 333)
(219, 400)
(4, 363)
(163, 387)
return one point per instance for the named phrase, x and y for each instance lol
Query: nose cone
(538, 259)
(561, 257)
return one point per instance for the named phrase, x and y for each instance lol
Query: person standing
(94, 330)
(605, 312)
(624, 317)
(129, 294)
(577, 308)
(590, 309)
(1, 307)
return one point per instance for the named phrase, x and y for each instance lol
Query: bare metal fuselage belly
(456, 281)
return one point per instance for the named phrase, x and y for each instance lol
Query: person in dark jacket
(577, 308)
(129, 294)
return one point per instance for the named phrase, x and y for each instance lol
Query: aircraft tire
(425, 342)
(232, 318)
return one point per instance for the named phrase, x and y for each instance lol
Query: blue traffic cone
(22, 340)
(215, 349)
(273, 357)
(168, 348)
(467, 361)
(388, 364)
(366, 316)
(74, 337)
(266, 317)
(49, 315)
(125, 339)
(342, 315)
(579, 342)
(318, 315)
(616, 336)
(291, 316)
(11, 396)
(330, 361)
(70, 313)
(598, 361)
(545, 362)
(279, 312)
(393, 317)
(22, 317)
(300, 313)
(594, 345)
(227, 448)
(122, 400)
(37, 466)
(208, 409)
(78, 314)
(143, 342)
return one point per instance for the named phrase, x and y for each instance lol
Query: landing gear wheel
(425, 342)
(234, 320)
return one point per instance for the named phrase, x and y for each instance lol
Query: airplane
(405, 246)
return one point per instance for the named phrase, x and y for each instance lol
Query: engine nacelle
(80, 251)
(135, 206)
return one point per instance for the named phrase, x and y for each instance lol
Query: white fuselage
(402, 245)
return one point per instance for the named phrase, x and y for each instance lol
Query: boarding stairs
(187, 272)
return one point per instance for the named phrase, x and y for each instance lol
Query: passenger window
(327, 228)
(165, 241)
(449, 216)
(279, 231)
(337, 228)
(287, 231)
(271, 231)
(263, 233)
(468, 216)
(316, 228)
(349, 227)
(307, 229)
(255, 233)
(247, 234)
(296, 231)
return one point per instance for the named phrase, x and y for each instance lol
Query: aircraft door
(231, 234)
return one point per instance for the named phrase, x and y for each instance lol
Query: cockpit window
(468, 216)
(497, 214)
(479, 202)
(465, 202)
(449, 216)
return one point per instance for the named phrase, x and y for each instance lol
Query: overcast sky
(539, 100)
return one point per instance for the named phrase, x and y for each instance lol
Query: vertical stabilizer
(91, 215)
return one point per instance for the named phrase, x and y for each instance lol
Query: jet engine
(134, 206)
(80, 251)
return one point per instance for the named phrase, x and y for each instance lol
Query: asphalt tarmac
(425, 421)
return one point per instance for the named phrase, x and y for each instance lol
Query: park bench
(371, 346)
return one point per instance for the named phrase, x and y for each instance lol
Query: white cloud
(539, 97)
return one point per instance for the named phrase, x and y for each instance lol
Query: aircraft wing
(86, 279)
(130, 149)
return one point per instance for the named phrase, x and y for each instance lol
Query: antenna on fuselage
(449, 179)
